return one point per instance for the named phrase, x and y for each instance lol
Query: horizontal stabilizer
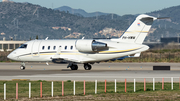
(164, 18)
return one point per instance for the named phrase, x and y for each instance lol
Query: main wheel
(87, 67)
(22, 67)
(74, 67)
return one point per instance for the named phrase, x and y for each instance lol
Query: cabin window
(43, 47)
(23, 46)
(59, 46)
(11, 46)
(71, 47)
(65, 47)
(54, 47)
(48, 47)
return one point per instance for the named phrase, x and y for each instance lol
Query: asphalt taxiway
(102, 71)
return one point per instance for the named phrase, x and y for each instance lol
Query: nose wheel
(87, 67)
(22, 67)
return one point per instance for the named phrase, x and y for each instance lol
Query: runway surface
(100, 72)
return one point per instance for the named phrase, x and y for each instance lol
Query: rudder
(138, 30)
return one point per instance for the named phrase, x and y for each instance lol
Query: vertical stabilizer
(138, 30)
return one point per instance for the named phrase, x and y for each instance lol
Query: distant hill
(169, 27)
(80, 12)
(164, 28)
(25, 21)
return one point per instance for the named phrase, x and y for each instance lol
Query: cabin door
(35, 48)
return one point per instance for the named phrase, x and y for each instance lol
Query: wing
(72, 58)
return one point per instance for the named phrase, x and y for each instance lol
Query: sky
(120, 7)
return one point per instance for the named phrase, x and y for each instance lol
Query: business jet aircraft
(87, 51)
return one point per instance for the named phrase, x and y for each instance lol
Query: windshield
(23, 46)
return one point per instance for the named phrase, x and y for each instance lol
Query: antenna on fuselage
(46, 38)
(83, 38)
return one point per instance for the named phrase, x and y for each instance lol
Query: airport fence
(33, 89)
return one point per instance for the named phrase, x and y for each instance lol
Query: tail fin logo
(138, 30)
(138, 24)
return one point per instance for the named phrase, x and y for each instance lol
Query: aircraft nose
(10, 56)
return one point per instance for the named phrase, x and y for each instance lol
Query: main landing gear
(75, 66)
(87, 66)
(22, 67)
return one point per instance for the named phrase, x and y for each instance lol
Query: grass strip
(23, 89)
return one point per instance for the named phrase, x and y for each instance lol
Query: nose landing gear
(22, 67)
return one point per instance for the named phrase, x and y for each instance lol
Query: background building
(10, 45)
(170, 40)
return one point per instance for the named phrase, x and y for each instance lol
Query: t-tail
(138, 30)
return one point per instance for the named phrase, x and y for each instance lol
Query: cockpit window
(23, 46)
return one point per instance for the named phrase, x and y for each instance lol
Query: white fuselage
(46, 50)
(87, 51)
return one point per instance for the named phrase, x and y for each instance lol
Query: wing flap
(77, 59)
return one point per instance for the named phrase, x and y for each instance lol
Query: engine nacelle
(90, 46)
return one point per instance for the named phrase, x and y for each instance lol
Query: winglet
(46, 38)
(137, 54)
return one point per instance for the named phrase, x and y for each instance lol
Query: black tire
(87, 67)
(22, 67)
(74, 67)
